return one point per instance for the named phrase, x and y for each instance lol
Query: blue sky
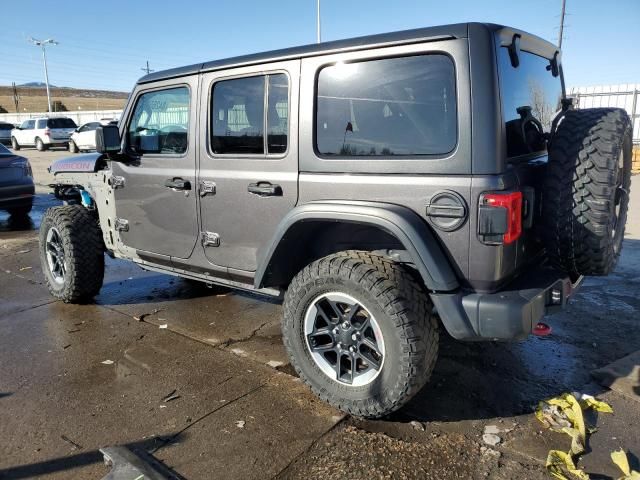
(105, 44)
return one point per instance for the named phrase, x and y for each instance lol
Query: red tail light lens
(512, 202)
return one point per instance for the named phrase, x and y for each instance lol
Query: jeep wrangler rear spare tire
(586, 190)
(71, 253)
(360, 331)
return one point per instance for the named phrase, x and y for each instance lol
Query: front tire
(71, 253)
(360, 331)
(73, 148)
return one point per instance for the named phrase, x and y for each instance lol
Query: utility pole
(16, 97)
(561, 24)
(43, 44)
(147, 69)
(318, 36)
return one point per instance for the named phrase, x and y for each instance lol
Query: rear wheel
(71, 253)
(40, 146)
(360, 331)
(22, 211)
(14, 144)
(586, 190)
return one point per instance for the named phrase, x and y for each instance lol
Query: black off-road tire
(14, 144)
(586, 190)
(83, 247)
(403, 311)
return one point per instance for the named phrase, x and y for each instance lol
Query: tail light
(500, 218)
(24, 165)
(47, 132)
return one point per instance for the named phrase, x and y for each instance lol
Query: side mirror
(107, 139)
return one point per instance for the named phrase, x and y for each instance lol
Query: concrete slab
(60, 400)
(255, 437)
(622, 376)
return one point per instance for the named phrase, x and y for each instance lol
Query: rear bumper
(510, 314)
(16, 196)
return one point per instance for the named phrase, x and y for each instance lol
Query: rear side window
(239, 119)
(387, 107)
(59, 123)
(160, 122)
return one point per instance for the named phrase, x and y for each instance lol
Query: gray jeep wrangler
(382, 186)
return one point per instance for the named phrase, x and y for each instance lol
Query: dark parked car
(16, 183)
(5, 132)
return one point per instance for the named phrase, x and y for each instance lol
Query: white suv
(43, 133)
(84, 138)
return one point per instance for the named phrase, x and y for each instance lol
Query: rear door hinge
(210, 239)
(122, 225)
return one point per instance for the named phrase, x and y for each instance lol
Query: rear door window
(41, 124)
(160, 122)
(402, 106)
(239, 119)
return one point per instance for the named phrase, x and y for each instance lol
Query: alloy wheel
(344, 339)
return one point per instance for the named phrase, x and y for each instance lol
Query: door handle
(177, 184)
(265, 189)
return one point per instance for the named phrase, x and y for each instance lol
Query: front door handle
(265, 189)
(177, 184)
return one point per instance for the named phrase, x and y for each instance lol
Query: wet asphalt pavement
(75, 378)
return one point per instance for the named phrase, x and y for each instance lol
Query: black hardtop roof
(458, 30)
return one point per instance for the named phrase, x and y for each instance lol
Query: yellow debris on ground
(564, 414)
(558, 461)
(620, 459)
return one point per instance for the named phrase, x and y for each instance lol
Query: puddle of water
(32, 221)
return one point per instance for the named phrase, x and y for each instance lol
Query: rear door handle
(177, 184)
(265, 189)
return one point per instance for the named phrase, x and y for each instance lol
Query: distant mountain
(36, 84)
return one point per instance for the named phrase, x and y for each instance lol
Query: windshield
(531, 85)
(61, 123)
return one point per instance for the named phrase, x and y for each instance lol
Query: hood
(77, 163)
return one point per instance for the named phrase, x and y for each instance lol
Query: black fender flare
(404, 224)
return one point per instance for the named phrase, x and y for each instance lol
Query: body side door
(156, 204)
(248, 160)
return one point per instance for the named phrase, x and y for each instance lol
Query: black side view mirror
(107, 139)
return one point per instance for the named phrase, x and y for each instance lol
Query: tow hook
(541, 329)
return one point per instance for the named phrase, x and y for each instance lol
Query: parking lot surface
(199, 378)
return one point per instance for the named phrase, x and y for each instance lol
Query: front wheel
(71, 253)
(73, 148)
(360, 331)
